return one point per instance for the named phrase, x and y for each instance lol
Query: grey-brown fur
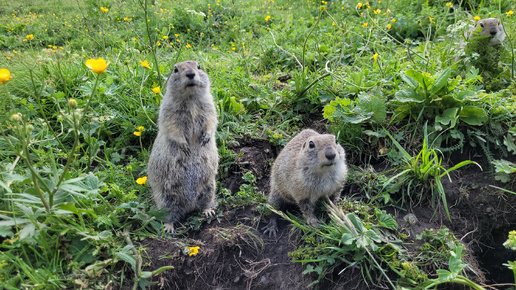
(184, 158)
(310, 167)
(489, 27)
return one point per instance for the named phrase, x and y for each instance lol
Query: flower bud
(72, 103)
(16, 117)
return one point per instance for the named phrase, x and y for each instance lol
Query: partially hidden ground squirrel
(310, 167)
(184, 158)
(489, 27)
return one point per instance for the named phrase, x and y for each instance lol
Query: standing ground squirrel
(311, 166)
(489, 27)
(184, 158)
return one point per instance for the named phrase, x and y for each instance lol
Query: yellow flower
(141, 180)
(359, 5)
(156, 90)
(5, 76)
(389, 26)
(193, 251)
(165, 37)
(145, 64)
(377, 11)
(140, 128)
(431, 19)
(449, 4)
(188, 45)
(98, 66)
(364, 25)
(477, 18)
(137, 133)
(393, 20)
(30, 36)
(268, 18)
(509, 13)
(104, 9)
(375, 56)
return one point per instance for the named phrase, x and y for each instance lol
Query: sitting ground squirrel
(184, 158)
(311, 166)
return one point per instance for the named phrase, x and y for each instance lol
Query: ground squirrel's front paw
(169, 228)
(313, 221)
(185, 148)
(205, 138)
(209, 212)
(271, 229)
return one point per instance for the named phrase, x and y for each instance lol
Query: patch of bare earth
(234, 254)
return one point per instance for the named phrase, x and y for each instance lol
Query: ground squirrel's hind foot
(272, 228)
(169, 228)
(209, 212)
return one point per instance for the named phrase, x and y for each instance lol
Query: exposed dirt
(234, 254)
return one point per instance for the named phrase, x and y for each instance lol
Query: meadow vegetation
(81, 83)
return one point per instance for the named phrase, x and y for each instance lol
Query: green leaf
(509, 142)
(473, 115)
(372, 104)
(161, 269)
(328, 111)
(126, 258)
(5, 231)
(408, 95)
(385, 220)
(409, 80)
(449, 116)
(28, 231)
(440, 81)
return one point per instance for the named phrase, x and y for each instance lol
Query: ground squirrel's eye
(198, 67)
(175, 69)
(311, 144)
(482, 25)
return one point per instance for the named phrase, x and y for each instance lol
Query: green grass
(69, 201)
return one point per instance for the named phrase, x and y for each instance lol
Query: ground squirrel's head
(490, 27)
(188, 79)
(321, 152)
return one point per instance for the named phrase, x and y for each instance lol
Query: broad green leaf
(126, 258)
(449, 116)
(422, 78)
(509, 142)
(5, 231)
(408, 78)
(28, 231)
(473, 115)
(386, 220)
(440, 81)
(408, 95)
(372, 104)
(466, 96)
(328, 111)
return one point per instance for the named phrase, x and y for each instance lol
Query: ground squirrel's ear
(175, 69)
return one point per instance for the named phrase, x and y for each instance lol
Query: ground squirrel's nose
(190, 75)
(330, 155)
(493, 32)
